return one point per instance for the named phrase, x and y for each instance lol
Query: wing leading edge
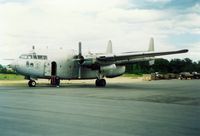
(134, 57)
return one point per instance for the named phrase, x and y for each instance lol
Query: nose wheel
(100, 83)
(32, 83)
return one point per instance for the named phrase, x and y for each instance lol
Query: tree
(176, 66)
(161, 65)
(164, 66)
(188, 65)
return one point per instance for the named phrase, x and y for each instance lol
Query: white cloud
(131, 16)
(159, 1)
(56, 23)
(196, 8)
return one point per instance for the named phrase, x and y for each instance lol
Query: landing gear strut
(55, 81)
(100, 82)
(32, 83)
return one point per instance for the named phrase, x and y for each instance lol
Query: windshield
(33, 56)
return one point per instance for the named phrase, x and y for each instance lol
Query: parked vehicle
(196, 75)
(188, 75)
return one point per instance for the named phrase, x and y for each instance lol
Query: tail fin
(109, 49)
(151, 48)
(151, 45)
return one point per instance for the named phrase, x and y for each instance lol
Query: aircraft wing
(127, 58)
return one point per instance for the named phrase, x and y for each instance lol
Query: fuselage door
(53, 68)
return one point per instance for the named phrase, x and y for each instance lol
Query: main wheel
(100, 82)
(97, 82)
(32, 83)
(57, 82)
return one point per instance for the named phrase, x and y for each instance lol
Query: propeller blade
(80, 49)
(79, 72)
(81, 59)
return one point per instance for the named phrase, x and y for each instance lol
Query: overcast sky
(174, 24)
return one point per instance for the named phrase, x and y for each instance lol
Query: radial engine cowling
(111, 71)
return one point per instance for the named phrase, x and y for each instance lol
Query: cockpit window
(29, 56)
(24, 56)
(33, 56)
(43, 57)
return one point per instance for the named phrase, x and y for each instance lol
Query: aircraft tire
(32, 83)
(100, 82)
(57, 81)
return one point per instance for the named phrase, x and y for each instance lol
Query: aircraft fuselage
(63, 66)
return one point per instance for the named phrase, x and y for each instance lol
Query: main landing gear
(55, 81)
(32, 83)
(100, 83)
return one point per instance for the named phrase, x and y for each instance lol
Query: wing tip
(184, 50)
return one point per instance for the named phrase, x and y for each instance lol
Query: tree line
(4, 70)
(164, 66)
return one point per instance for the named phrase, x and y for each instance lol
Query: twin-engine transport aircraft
(71, 65)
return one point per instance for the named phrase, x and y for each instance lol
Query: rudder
(109, 49)
(151, 45)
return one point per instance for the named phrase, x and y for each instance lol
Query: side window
(34, 56)
(31, 65)
(39, 57)
(27, 64)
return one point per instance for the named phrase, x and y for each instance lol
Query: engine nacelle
(112, 70)
(107, 68)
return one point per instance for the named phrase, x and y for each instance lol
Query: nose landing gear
(32, 83)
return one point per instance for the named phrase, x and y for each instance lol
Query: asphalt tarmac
(155, 108)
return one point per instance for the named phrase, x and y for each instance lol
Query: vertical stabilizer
(151, 48)
(109, 49)
(151, 45)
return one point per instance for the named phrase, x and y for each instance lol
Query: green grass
(11, 77)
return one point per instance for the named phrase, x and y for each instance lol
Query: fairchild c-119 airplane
(71, 65)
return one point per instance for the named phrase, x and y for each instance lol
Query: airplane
(71, 66)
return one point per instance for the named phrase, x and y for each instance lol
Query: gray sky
(174, 24)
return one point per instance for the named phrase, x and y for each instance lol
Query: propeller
(80, 58)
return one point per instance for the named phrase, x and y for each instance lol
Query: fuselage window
(31, 64)
(27, 64)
